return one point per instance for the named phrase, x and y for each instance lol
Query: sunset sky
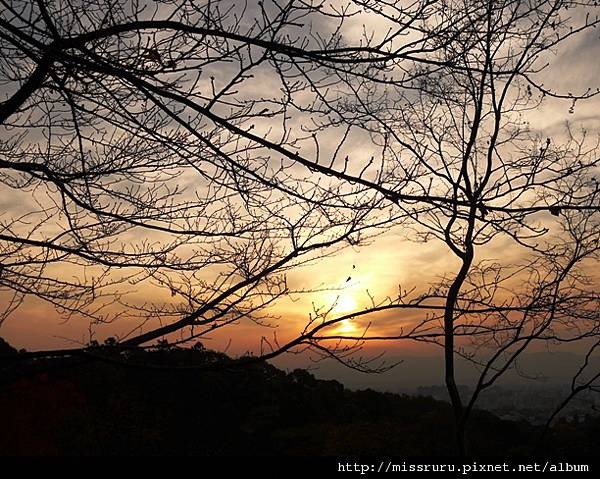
(347, 280)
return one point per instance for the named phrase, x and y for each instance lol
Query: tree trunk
(453, 392)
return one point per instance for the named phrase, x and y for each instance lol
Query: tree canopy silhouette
(203, 150)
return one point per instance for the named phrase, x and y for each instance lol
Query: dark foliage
(6, 349)
(171, 401)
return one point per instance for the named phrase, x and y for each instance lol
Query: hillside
(175, 401)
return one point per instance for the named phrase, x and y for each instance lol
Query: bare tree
(462, 161)
(135, 155)
(203, 149)
(155, 145)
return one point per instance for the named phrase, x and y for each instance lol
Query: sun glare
(344, 304)
(346, 326)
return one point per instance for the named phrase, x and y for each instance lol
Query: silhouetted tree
(205, 149)
(153, 144)
(462, 161)
(157, 145)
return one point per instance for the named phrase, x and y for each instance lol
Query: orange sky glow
(353, 279)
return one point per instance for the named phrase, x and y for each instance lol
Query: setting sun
(346, 326)
(344, 304)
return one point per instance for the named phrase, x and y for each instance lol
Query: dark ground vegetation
(170, 401)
